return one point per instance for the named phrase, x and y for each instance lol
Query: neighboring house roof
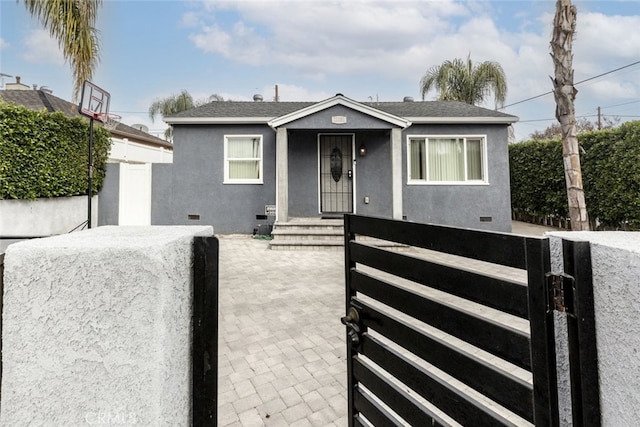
(39, 100)
(278, 113)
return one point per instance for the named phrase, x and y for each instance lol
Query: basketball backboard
(94, 102)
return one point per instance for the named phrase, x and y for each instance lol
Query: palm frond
(458, 80)
(72, 24)
(171, 105)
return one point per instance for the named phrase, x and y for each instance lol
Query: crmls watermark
(110, 418)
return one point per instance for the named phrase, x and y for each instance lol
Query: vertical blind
(446, 159)
(243, 155)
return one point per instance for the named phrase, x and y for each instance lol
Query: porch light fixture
(362, 150)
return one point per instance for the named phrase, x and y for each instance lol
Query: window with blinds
(243, 159)
(446, 159)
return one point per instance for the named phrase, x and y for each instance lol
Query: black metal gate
(205, 332)
(432, 340)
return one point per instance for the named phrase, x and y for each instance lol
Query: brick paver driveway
(282, 350)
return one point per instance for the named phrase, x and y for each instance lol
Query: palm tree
(458, 80)
(564, 26)
(175, 104)
(72, 24)
(169, 106)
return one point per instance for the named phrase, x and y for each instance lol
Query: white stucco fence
(615, 258)
(45, 217)
(97, 328)
(123, 150)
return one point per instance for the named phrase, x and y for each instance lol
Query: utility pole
(599, 119)
(277, 97)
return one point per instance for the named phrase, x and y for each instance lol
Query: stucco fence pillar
(615, 258)
(97, 328)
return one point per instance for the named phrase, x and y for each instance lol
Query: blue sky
(314, 49)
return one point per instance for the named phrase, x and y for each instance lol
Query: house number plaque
(338, 120)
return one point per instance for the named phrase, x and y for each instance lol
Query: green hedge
(611, 173)
(45, 154)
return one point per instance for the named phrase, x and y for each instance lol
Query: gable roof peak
(340, 99)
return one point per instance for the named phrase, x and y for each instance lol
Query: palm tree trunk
(564, 25)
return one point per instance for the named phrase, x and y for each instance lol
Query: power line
(576, 84)
(624, 103)
(577, 117)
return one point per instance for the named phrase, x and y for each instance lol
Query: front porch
(338, 157)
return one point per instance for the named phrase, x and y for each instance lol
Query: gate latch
(351, 321)
(560, 290)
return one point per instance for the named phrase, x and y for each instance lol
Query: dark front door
(336, 173)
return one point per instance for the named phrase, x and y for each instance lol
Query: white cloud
(610, 90)
(341, 37)
(41, 48)
(190, 20)
(602, 36)
(4, 44)
(290, 92)
(326, 43)
(212, 39)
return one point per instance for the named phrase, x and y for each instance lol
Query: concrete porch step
(292, 233)
(305, 245)
(308, 234)
(316, 234)
(310, 223)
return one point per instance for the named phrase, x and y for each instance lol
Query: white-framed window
(243, 159)
(446, 159)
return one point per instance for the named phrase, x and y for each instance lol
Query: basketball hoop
(94, 104)
(109, 121)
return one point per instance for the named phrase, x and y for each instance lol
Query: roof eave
(463, 120)
(216, 120)
(140, 139)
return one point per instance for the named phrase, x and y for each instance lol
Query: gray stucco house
(435, 161)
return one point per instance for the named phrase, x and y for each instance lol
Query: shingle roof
(39, 100)
(435, 109)
(270, 110)
(244, 109)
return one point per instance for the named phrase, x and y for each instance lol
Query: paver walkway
(282, 351)
(281, 347)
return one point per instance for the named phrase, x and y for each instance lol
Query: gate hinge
(560, 287)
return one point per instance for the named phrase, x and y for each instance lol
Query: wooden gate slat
(497, 339)
(501, 294)
(455, 403)
(373, 411)
(398, 400)
(499, 248)
(502, 387)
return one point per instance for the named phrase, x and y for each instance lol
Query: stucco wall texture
(97, 328)
(45, 217)
(615, 258)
